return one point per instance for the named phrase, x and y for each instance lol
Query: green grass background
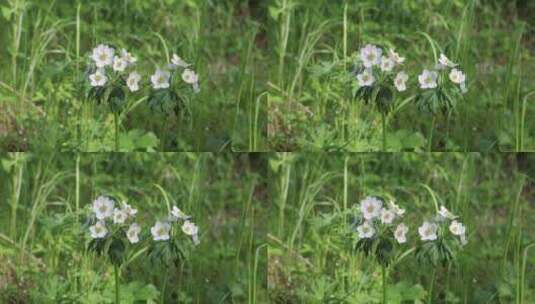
(45, 48)
(314, 43)
(42, 246)
(311, 260)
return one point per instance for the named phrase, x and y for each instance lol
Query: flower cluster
(429, 230)
(428, 79)
(377, 76)
(108, 215)
(117, 219)
(373, 214)
(113, 74)
(372, 56)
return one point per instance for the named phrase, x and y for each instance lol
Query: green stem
(162, 300)
(430, 139)
(116, 272)
(432, 284)
(383, 271)
(384, 131)
(116, 121)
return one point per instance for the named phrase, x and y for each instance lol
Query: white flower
(457, 76)
(102, 55)
(400, 81)
(133, 81)
(457, 228)
(428, 79)
(128, 57)
(370, 55)
(365, 230)
(428, 231)
(98, 230)
(177, 213)
(387, 64)
(103, 207)
(160, 79)
(119, 216)
(446, 214)
(190, 228)
(464, 241)
(463, 88)
(445, 62)
(98, 79)
(195, 239)
(177, 61)
(401, 233)
(160, 231)
(387, 216)
(366, 78)
(190, 77)
(128, 209)
(133, 233)
(397, 209)
(395, 56)
(371, 207)
(119, 64)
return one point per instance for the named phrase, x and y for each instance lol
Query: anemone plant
(438, 94)
(378, 78)
(109, 226)
(441, 237)
(379, 233)
(114, 77)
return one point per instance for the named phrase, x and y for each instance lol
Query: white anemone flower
(190, 228)
(179, 62)
(457, 228)
(370, 55)
(445, 62)
(401, 233)
(397, 209)
(133, 233)
(366, 78)
(128, 209)
(428, 79)
(190, 77)
(160, 231)
(179, 214)
(371, 207)
(365, 230)
(446, 214)
(428, 231)
(400, 81)
(98, 230)
(395, 56)
(133, 81)
(103, 207)
(387, 216)
(387, 64)
(126, 56)
(160, 79)
(119, 64)
(98, 79)
(119, 216)
(102, 55)
(457, 76)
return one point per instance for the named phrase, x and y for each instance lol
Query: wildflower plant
(441, 86)
(378, 77)
(114, 76)
(440, 238)
(113, 230)
(379, 228)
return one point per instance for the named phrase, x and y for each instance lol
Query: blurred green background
(310, 253)
(42, 246)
